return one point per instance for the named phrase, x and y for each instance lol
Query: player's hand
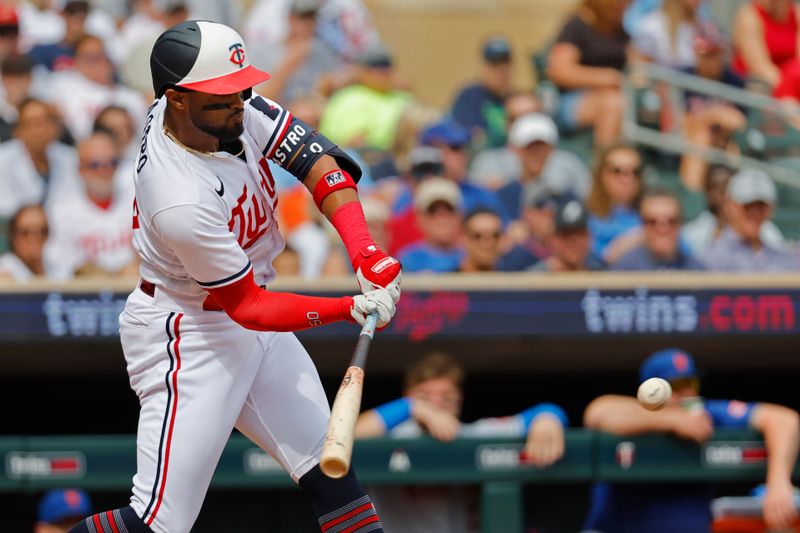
(545, 443)
(693, 425)
(779, 510)
(377, 270)
(439, 423)
(379, 301)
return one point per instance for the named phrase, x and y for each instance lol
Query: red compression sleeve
(255, 308)
(351, 225)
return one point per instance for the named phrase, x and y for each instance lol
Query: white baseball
(654, 393)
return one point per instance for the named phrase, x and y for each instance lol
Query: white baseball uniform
(87, 234)
(204, 221)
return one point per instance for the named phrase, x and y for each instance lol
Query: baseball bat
(338, 448)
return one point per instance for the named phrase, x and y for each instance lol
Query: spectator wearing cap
(533, 138)
(17, 75)
(483, 239)
(423, 162)
(538, 217)
(748, 205)
(494, 167)
(366, 114)
(661, 214)
(479, 107)
(709, 121)
(60, 509)
(586, 63)
(668, 508)
(570, 242)
(27, 235)
(82, 93)
(36, 168)
(452, 140)
(439, 208)
(707, 226)
(308, 65)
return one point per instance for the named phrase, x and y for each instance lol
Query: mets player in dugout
(207, 347)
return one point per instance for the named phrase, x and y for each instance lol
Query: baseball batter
(207, 348)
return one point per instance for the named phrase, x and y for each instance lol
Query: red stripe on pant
(176, 348)
(98, 524)
(111, 521)
(355, 527)
(339, 519)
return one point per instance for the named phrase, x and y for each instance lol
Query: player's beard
(225, 132)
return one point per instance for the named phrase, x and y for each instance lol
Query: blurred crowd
(491, 183)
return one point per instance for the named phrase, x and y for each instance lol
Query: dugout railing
(99, 463)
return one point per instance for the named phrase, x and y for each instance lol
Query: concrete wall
(437, 42)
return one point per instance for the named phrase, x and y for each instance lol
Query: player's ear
(177, 99)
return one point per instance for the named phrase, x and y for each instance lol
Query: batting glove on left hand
(378, 301)
(378, 271)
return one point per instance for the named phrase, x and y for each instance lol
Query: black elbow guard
(302, 146)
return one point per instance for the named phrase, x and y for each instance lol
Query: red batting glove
(376, 270)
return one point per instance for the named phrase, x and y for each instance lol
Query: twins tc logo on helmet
(237, 54)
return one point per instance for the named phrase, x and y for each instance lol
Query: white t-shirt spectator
(20, 182)
(699, 234)
(651, 38)
(81, 100)
(83, 233)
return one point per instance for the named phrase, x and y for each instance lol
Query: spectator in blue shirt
(661, 215)
(613, 202)
(480, 107)
(452, 140)
(431, 404)
(669, 508)
(439, 210)
(61, 55)
(749, 204)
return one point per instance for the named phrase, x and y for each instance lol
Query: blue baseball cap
(447, 132)
(497, 50)
(59, 504)
(668, 364)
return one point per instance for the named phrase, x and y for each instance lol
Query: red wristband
(333, 181)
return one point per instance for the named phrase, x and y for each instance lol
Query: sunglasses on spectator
(99, 164)
(653, 221)
(40, 232)
(628, 171)
(477, 235)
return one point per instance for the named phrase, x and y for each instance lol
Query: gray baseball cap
(750, 185)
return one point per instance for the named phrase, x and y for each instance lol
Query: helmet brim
(234, 82)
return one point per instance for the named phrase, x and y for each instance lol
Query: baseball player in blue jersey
(207, 348)
(671, 508)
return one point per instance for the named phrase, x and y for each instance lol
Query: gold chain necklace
(198, 152)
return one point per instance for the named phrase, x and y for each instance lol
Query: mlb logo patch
(334, 178)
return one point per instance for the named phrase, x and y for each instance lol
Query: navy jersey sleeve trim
(225, 281)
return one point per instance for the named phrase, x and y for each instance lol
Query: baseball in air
(654, 393)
